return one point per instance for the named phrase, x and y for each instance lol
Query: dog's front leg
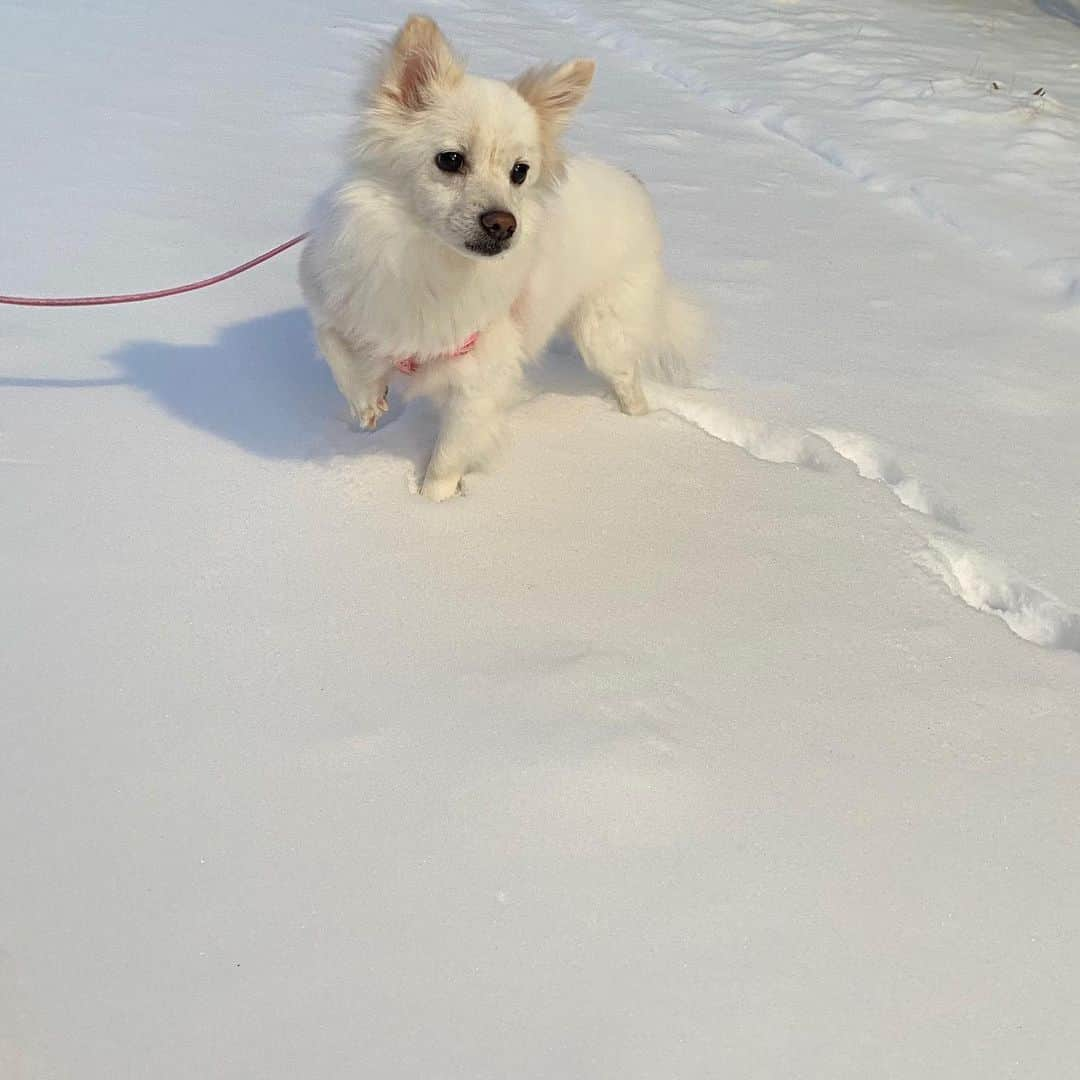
(469, 428)
(360, 376)
(479, 390)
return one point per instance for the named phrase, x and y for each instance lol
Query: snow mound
(764, 441)
(985, 585)
(875, 461)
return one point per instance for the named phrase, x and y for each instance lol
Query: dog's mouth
(487, 247)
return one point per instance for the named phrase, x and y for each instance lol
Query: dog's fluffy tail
(679, 356)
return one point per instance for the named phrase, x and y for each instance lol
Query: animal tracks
(763, 441)
(977, 579)
(985, 585)
(834, 70)
(874, 461)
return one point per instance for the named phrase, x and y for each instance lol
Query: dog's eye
(450, 161)
(519, 172)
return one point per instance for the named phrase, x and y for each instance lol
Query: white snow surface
(739, 740)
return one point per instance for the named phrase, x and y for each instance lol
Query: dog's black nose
(498, 224)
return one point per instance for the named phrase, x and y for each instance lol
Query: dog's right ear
(418, 62)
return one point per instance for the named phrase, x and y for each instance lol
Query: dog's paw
(367, 413)
(632, 402)
(440, 488)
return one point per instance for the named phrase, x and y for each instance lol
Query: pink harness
(410, 365)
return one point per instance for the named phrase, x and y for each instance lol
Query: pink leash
(408, 365)
(134, 298)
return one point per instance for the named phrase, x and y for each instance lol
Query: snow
(736, 740)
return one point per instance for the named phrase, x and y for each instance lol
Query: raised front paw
(367, 413)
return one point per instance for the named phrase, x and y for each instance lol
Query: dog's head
(471, 159)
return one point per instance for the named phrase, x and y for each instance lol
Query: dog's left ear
(555, 91)
(418, 62)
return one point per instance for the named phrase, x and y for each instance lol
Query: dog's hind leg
(615, 328)
(361, 377)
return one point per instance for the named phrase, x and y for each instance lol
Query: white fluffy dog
(463, 239)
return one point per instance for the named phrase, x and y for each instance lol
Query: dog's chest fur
(404, 294)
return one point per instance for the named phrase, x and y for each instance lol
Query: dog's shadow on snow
(262, 385)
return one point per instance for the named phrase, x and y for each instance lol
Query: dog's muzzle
(497, 230)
